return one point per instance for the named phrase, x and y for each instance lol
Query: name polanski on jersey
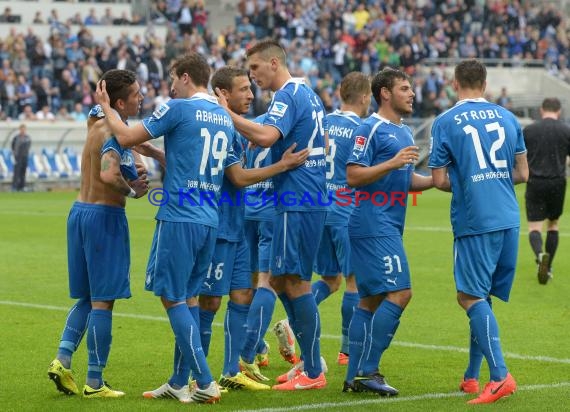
(338, 131)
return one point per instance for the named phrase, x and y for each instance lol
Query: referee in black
(548, 144)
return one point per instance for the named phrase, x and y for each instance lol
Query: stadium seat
(6, 164)
(35, 167)
(72, 160)
(54, 161)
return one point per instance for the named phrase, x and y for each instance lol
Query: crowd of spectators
(54, 77)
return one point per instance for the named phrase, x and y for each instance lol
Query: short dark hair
(353, 86)
(268, 48)
(195, 65)
(471, 74)
(551, 104)
(223, 78)
(117, 83)
(386, 78)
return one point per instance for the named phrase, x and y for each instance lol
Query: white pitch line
(380, 401)
(441, 348)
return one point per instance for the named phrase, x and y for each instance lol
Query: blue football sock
(73, 331)
(485, 328)
(384, 325)
(288, 306)
(181, 373)
(195, 312)
(258, 320)
(320, 291)
(98, 345)
(235, 330)
(188, 339)
(475, 355)
(359, 335)
(206, 320)
(308, 332)
(349, 302)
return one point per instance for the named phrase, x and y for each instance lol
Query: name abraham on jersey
(219, 119)
(278, 109)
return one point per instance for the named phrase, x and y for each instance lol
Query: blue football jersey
(127, 165)
(231, 207)
(198, 135)
(298, 113)
(384, 212)
(341, 127)
(259, 204)
(477, 141)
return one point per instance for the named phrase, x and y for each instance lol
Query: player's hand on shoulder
(406, 156)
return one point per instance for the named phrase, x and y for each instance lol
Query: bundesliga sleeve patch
(278, 109)
(161, 111)
(359, 143)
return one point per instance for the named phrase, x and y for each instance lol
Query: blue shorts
(295, 243)
(333, 256)
(380, 265)
(259, 234)
(180, 255)
(229, 269)
(98, 252)
(485, 264)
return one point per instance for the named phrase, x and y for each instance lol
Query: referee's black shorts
(544, 198)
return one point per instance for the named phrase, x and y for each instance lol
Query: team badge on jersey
(278, 109)
(359, 143)
(161, 111)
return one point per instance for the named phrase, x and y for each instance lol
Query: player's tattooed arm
(111, 173)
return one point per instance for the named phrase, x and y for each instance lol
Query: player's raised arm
(126, 136)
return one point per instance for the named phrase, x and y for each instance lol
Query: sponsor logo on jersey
(161, 111)
(278, 109)
(359, 143)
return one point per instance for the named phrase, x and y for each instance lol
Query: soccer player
(381, 168)
(478, 154)
(98, 240)
(333, 257)
(295, 115)
(198, 135)
(229, 271)
(548, 145)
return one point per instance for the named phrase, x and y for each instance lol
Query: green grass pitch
(425, 361)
